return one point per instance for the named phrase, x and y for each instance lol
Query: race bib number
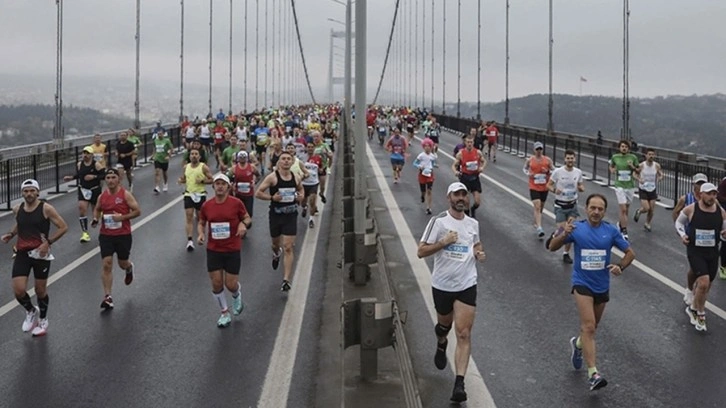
(262, 139)
(472, 165)
(288, 194)
(86, 193)
(623, 175)
(98, 156)
(219, 230)
(705, 238)
(218, 136)
(427, 171)
(592, 259)
(648, 186)
(109, 223)
(243, 187)
(161, 149)
(196, 197)
(456, 252)
(540, 178)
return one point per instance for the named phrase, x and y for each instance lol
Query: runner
(566, 182)
(125, 151)
(425, 163)
(313, 165)
(32, 226)
(454, 241)
(100, 152)
(538, 168)
(648, 175)
(229, 153)
(244, 175)
(468, 164)
(285, 192)
(228, 221)
(205, 137)
(593, 239)
(622, 166)
(136, 141)
(116, 208)
(492, 132)
(322, 150)
(163, 149)
(397, 146)
(434, 131)
(196, 144)
(261, 140)
(683, 201)
(89, 174)
(706, 223)
(195, 175)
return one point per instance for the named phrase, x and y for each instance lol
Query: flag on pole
(583, 79)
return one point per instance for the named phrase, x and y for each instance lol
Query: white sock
(221, 300)
(236, 293)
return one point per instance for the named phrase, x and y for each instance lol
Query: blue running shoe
(224, 320)
(237, 305)
(597, 381)
(576, 354)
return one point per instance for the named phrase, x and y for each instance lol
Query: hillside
(25, 124)
(689, 123)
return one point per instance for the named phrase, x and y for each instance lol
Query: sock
(237, 292)
(565, 252)
(475, 206)
(578, 342)
(459, 379)
(591, 371)
(189, 238)
(221, 300)
(25, 302)
(84, 223)
(43, 305)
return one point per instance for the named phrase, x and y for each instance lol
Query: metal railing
(593, 157)
(49, 167)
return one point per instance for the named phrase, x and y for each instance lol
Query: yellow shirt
(99, 153)
(194, 177)
(296, 169)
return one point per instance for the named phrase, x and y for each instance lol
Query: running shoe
(576, 356)
(311, 223)
(566, 258)
(440, 356)
(107, 303)
(224, 319)
(423, 198)
(129, 274)
(131, 188)
(156, 190)
(648, 227)
(625, 235)
(31, 320)
(459, 394)
(700, 322)
(540, 233)
(636, 216)
(322, 198)
(304, 212)
(597, 381)
(190, 246)
(722, 271)
(286, 286)
(41, 329)
(85, 236)
(428, 211)
(276, 259)
(237, 305)
(166, 187)
(688, 297)
(692, 315)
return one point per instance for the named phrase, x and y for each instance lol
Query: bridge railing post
(368, 323)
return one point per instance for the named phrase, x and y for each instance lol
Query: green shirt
(134, 138)
(228, 155)
(161, 150)
(624, 166)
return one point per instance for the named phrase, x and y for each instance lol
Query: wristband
(622, 268)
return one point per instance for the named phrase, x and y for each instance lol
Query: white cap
(29, 183)
(221, 176)
(456, 186)
(538, 145)
(242, 154)
(708, 187)
(699, 178)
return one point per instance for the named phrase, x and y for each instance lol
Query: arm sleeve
(680, 224)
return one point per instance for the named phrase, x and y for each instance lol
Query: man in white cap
(705, 221)
(453, 239)
(32, 226)
(685, 200)
(228, 221)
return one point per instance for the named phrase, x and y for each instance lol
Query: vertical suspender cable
(625, 133)
(478, 61)
(58, 128)
(433, 43)
(415, 59)
(138, 68)
(410, 55)
(265, 69)
(245, 69)
(210, 57)
(458, 60)
(550, 103)
(181, 65)
(443, 60)
(388, 50)
(506, 70)
(423, 55)
(302, 53)
(272, 78)
(230, 57)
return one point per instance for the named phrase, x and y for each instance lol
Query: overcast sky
(676, 46)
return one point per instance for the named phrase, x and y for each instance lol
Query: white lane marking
(478, 392)
(643, 267)
(276, 387)
(88, 255)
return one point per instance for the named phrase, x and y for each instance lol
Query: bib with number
(592, 259)
(219, 230)
(472, 165)
(160, 148)
(98, 156)
(540, 178)
(288, 194)
(705, 238)
(110, 223)
(649, 186)
(243, 187)
(456, 252)
(427, 171)
(86, 193)
(623, 175)
(196, 197)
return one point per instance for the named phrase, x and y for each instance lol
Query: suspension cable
(388, 49)
(302, 53)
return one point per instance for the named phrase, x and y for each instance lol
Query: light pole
(245, 79)
(230, 57)
(210, 57)
(348, 62)
(137, 122)
(181, 66)
(478, 61)
(458, 61)
(626, 70)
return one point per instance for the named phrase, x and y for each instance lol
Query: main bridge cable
(302, 53)
(388, 50)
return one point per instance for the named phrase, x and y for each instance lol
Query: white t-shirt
(455, 264)
(313, 179)
(241, 133)
(204, 132)
(648, 177)
(425, 162)
(567, 182)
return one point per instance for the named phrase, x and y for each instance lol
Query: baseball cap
(708, 187)
(221, 176)
(88, 149)
(456, 186)
(242, 154)
(111, 171)
(538, 145)
(699, 178)
(29, 183)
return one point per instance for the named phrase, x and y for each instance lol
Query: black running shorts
(230, 262)
(444, 301)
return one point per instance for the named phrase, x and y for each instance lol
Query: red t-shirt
(469, 161)
(223, 219)
(219, 132)
(114, 204)
(492, 134)
(244, 180)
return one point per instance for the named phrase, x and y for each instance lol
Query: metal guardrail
(49, 167)
(592, 157)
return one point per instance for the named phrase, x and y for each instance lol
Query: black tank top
(287, 189)
(704, 230)
(31, 225)
(274, 158)
(84, 170)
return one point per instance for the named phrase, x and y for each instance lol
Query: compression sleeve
(680, 224)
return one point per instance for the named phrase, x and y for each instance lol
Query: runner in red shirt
(228, 221)
(468, 165)
(492, 133)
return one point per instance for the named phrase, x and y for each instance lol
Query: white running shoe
(190, 246)
(31, 320)
(166, 187)
(41, 329)
(688, 297)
